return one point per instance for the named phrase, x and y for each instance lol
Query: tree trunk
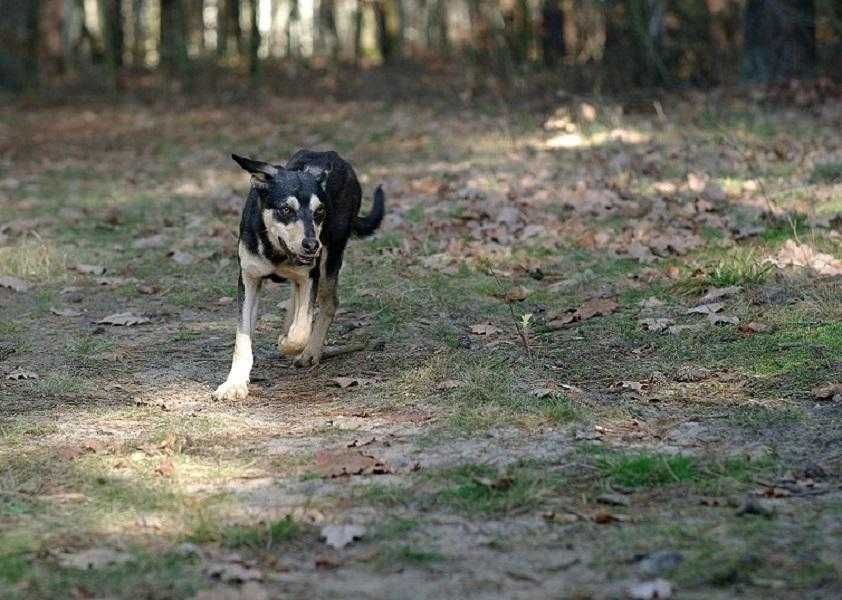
(254, 42)
(386, 37)
(358, 32)
(173, 46)
(328, 38)
(780, 40)
(113, 33)
(228, 28)
(138, 33)
(552, 32)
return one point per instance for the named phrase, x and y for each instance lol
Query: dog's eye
(319, 214)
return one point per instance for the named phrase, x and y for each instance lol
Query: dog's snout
(310, 245)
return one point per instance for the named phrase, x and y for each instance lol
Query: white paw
(232, 390)
(288, 347)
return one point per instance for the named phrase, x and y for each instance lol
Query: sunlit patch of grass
(739, 268)
(35, 261)
(652, 470)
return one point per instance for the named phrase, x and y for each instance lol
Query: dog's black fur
(295, 225)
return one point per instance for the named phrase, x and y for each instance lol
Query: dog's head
(292, 204)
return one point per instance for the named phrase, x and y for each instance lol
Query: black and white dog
(296, 222)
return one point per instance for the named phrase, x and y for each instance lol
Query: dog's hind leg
(301, 327)
(236, 386)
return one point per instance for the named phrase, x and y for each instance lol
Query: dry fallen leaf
(124, 318)
(728, 319)
(153, 241)
(517, 294)
(19, 374)
(13, 283)
(65, 312)
(485, 329)
(449, 384)
(754, 327)
(346, 382)
(793, 254)
(706, 309)
(90, 269)
(658, 589)
(591, 308)
(182, 258)
(339, 536)
(655, 325)
(831, 391)
(340, 463)
(166, 468)
(233, 570)
(715, 293)
(93, 558)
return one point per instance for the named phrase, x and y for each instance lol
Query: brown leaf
(517, 294)
(124, 318)
(754, 327)
(562, 518)
(13, 283)
(90, 269)
(499, 483)
(706, 309)
(341, 463)
(166, 468)
(592, 308)
(793, 254)
(346, 382)
(145, 288)
(831, 391)
(655, 325)
(486, 328)
(65, 312)
(727, 319)
(715, 293)
(606, 518)
(449, 384)
(147, 243)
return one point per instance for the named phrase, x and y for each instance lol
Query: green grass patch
(479, 489)
(261, 537)
(654, 470)
(829, 172)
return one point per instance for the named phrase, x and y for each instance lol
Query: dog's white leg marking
(302, 321)
(327, 304)
(236, 386)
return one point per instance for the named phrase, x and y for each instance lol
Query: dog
(295, 225)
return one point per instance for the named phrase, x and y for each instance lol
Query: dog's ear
(319, 174)
(261, 172)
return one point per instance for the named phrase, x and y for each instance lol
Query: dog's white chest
(257, 267)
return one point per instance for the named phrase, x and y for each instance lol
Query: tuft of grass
(738, 269)
(830, 172)
(58, 385)
(652, 470)
(39, 261)
(479, 489)
(261, 537)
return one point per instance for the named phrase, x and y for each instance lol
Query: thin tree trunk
(358, 32)
(138, 33)
(552, 32)
(780, 40)
(33, 42)
(254, 43)
(173, 47)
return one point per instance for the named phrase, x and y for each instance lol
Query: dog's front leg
(298, 335)
(236, 386)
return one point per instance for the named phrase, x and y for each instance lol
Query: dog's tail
(364, 226)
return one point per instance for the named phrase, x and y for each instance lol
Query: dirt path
(599, 359)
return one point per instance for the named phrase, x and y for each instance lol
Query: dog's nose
(310, 245)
